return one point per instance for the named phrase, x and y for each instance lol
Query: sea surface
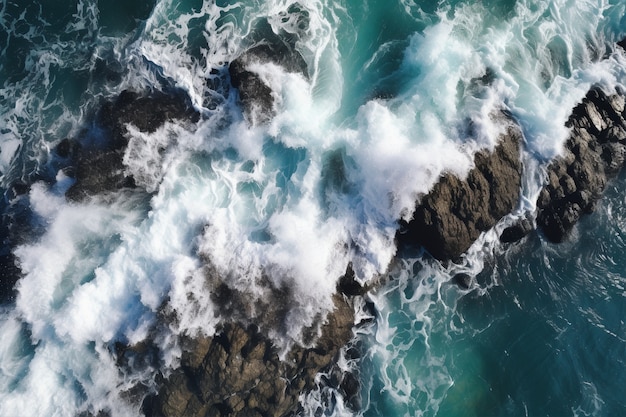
(398, 91)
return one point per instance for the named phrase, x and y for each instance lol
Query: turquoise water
(397, 93)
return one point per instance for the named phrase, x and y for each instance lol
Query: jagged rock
(146, 112)
(451, 217)
(349, 286)
(350, 389)
(238, 372)
(255, 95)
(517, 231)
(98, 171)
(595, 151)
(98, 162)
(462, 280)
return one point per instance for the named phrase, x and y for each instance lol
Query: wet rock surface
(238, 372)
(255, 95)
(517, 231)
(16, 227)
(98, 166)
(456, 211)
(594, 153)
(464, 281)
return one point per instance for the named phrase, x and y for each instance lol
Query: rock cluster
(595, 151)
(238, 372)
(451, 217)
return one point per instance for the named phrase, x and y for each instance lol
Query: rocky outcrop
(255, 95)
(456, 211)
(238, 372)
(98, 166)
(594, 152)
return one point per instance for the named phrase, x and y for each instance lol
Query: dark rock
(18, 225)
(451, 217)
(99, 171)
(614, 156)
(147, 112)
(462, 280)
(19, 188)
(594, 152)
(66, 148)
(350, 389)
(254, 94)
(99, 164)
(517, 231)
(348, 285)
(10, 273)
(238, 372)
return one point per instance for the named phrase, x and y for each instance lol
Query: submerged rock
(594, 152)
(98, 158)
(456, 211)
(463, 280)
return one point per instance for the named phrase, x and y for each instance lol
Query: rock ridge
(456, 211)
(594, 153)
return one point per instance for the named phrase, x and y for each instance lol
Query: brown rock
(238, 372)
(451, 217)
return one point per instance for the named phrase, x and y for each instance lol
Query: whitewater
(389, 103)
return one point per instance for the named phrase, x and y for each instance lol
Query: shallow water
(395, 95)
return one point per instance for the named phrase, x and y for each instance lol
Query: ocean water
(391, 101)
